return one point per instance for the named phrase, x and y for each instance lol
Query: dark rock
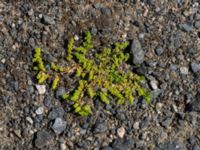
(37, 125)
(25, 132)
(137, 52)
(192, 119)
(195, 104)
(156, 93)
(83, 131)
(100, 128)
(197, 24)
(30, 89)
(192, 51)
(32, 42)
(192, 140)
(196, 148)
(129, 143)
(106, 11)
(144, 123)
(94, 31)
(186, 27)
(195, 67)
(173, 145)
(82, 145)
(56, 112)
(107, 148)
(197, 16)
(143, 147)
(59, 125)
(37, 121)
(14, 85)
(166, 122)
(119, 144)
(159, 50)
(123, 1)
(50, 58)
(136, 23)
(98, 5)
(43, 138)
(60, 92)
(47, 101)
(48, 20)
(2, 67)
(142, 70)
(173, 67)
(120, 115)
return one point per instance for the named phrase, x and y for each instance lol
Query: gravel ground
(166, 34)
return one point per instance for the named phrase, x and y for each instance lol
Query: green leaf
(103, 97)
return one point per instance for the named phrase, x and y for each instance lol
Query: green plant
(55, 82)
(104, 74)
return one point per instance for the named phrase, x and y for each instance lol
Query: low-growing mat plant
(104, 74)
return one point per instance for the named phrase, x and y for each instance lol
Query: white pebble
(63, 146)
(39, 111)
(41, 89)
(3, 60)
(29, 120)
(136, 125)
(184, 70)
(124, 35)
(76, 37)
(40, 16)
(121, 132)
(154, 85)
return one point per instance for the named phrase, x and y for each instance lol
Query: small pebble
(184, 70)
(40, 16)
(136, 125)
(154, 84)
(121, 132)
(159, 107)
(3, 60)
(39, 111)
(59, 125)
(186, 27)
(48, 20)
(63, 146)
(41, 89)
(195, 67)
(137, 51)
(76, 37)
(124, 35)
(159, 50)
(43, 138)
(29, 120)
(30, 12)
(197, 25)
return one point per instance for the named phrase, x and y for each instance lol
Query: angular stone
(195, 67)
(159, 50)
(186, 27)
(43, 138)
(195, 104)
(184, 70)
(48, 20)
(56, 112)
(41, 89)
(39, 111)
(137, 51)
(121, 132)
(59, 125)
(100, 128)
